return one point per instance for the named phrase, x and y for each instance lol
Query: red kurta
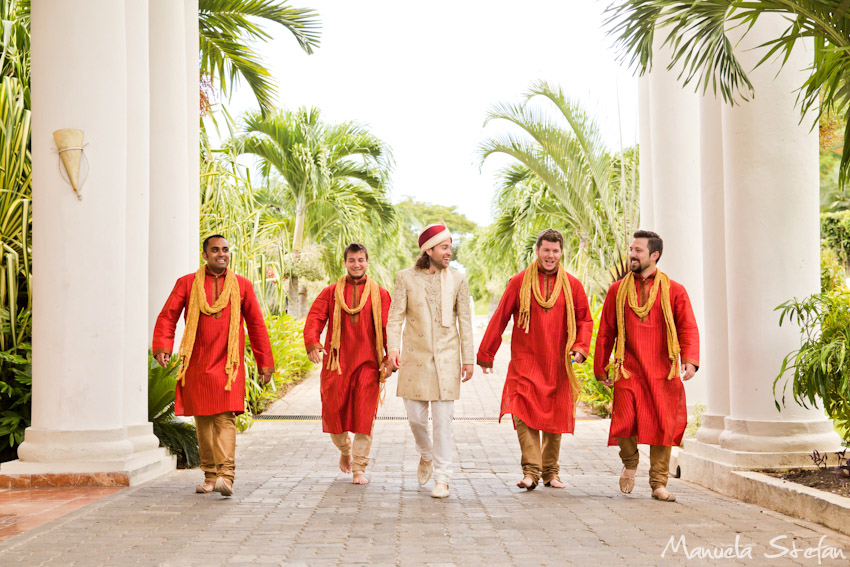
(349, 398)
(204, 392)
(537, 388)
(647, 404)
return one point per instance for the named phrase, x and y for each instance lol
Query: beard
(636, 266)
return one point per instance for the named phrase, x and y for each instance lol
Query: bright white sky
(422, 76)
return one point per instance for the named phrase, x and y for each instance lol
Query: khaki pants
(217, 444)
(537, 459)
(659, 460)
(358, 451)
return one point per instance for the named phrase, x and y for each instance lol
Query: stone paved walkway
(292, 507)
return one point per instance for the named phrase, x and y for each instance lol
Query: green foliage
(819, 367)
(696, 32)
(179, 437)
(835, 234)
(564, 178)
(287, 338)
(831, 271)
(227, 28)
(15, 397)
(695, 420)
(598, 397)
(414, 216)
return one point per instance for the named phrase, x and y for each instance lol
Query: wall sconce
(69, 142)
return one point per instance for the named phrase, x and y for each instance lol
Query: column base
(84, 458)
(142, 437)
(779, 437)
(731, 473)
(711, 428)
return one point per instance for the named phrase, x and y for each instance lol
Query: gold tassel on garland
(628, 293)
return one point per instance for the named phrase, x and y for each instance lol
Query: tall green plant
(227, 30)
(820, 368)
(563, 177)
(179, 437)
(701, 50)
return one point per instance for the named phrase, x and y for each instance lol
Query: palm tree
(564, 177)
(696, 32)
(332, 177)
(226, 27)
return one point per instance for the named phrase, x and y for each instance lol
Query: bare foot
(527, 483)
(360, 478)
(556, 483)
(345, 463)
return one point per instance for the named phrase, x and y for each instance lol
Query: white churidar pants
(440, 447)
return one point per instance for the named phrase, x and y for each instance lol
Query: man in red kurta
(649, 397)
(353, 366)
(211, 384)
(550, 325)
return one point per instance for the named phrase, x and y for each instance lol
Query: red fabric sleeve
(492, 339)
(607, 334)
(686, 325)
(584, 319)
(386, 301)
(257, 332)
(317, 318)
(166, 322)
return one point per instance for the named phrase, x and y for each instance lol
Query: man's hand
(688, 371)
(395, 360)
(315, 356)
(265, 378)
(487, 369)
(163, 359)
(578, 357)
(466, 372)
(605, 380)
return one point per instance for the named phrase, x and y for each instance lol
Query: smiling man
(211, 381)
(552, 328)
(648, 323)
(431, 301)
(354, 357)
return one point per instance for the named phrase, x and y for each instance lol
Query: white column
(193, 121)
(674, 128)
(79, 80)
(647, 215)
(714, 359)
(136, 339)
(169, 168)
(771, 178)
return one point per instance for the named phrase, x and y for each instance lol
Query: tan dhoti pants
(217, 444)
(538, 460)
(659, 460)
(358, 451)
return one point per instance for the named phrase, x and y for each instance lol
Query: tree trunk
(293, 304)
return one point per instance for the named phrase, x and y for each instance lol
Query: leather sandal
(661, 493)
(223, 488)
(424, 471)
(627, 481)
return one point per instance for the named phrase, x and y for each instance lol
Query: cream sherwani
(431, 357)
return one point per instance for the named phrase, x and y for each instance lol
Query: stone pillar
(80, 80)
(674, 129)
(714, 358)
(169, 168)
(647, 216)
(136, 340)
(771, 178)
(193, 121)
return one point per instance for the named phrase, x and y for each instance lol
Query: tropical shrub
(819, 368)
(835, 234)
(596, 395)
(179, 437)
(287, 338)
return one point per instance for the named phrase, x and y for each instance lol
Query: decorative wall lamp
(69, 142)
